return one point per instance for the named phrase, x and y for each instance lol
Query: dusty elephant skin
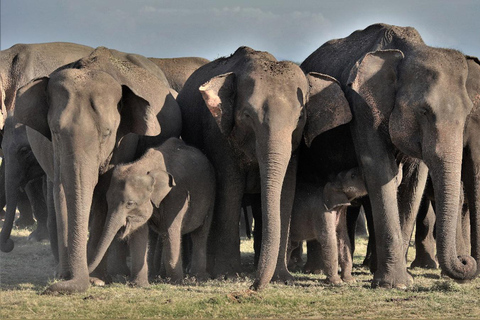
(172, 187)
(400, 92)
(18, 65)
(246, 113)
(87, 109)
(319, 212)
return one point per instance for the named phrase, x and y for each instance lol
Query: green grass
(28, 269)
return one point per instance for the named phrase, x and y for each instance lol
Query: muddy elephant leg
(138, 244)
(34, 191)
(288, 195)
(225, 235)
(410, 193)
(424, 240)
(345, 257)
(315, 263)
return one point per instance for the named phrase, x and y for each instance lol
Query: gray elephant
(87, 109)
(405, 96)
(319, 212)
(246, 113)
(178, 70)
(22, 173)
(172, 187)
(18, 65)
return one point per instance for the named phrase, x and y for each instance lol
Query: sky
(290, 30)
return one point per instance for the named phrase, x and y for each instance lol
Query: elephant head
(418, 98)
(262, 109)
(347, 186)
(86, 109)
(132, 194)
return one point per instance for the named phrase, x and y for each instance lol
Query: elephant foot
(139, 282)
(315, 270)
(200, 276)
(283, 276)
(334, 280)
(393, 280)
(24, 222)
(94, 281)
(39, 234)
(425, 262)
(348, 279)
(69, 286)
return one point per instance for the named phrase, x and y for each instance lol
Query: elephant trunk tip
(465, 269)
(7, 245)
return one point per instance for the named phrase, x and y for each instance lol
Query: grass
(28, 269)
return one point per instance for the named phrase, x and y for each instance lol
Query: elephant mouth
(122, 233)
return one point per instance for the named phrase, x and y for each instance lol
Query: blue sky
(214, 28)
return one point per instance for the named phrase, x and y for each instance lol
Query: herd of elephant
(129, 149)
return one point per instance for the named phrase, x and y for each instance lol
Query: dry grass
(28, 269)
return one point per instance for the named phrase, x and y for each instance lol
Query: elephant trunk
(112, 225)
(12, 185)
(274, 157)
(445, 170)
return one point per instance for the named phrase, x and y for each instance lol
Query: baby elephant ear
(327, 106)
(333, 197)
(219, 96)
(163, 184)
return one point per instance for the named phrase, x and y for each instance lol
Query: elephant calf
(172, 187)
(319, 212)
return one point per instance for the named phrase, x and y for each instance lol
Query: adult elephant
(178, 70)
(18, 65)
(87, 109)
(409, 97)
(246, 113)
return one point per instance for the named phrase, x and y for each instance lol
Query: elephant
(319, 212)
(246, 113)
(172, 189)
(178, 70)
(400, 94)
(22, 173)
(92, 111)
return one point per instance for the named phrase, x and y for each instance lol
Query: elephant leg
(117, 259)
(158, 259)
(410, 193)
(380, 170)
(34, 191)
(199, 241)
(138, 244)
(225, 235)
(52, 219)
(315, 263)
(424, 240)
(187, 252)
(294, 256)
(325, 228)
(344, 245)
(152, 243)
(256, 206)
(353, 212)
(172, 256)
(3, 199)
(288, 195)
(471, 181)
(26, 213)
(370, 260)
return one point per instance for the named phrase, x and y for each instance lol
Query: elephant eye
(131, 204)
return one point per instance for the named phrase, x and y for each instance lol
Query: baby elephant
(319, 212)
(173, 188)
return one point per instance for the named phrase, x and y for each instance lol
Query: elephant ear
(137, 115)
(163, 184)
(31, 106)
(3, 109)
(473, 81)
(333, 198)
(326, 107)
(219, 96)
(374, 79)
